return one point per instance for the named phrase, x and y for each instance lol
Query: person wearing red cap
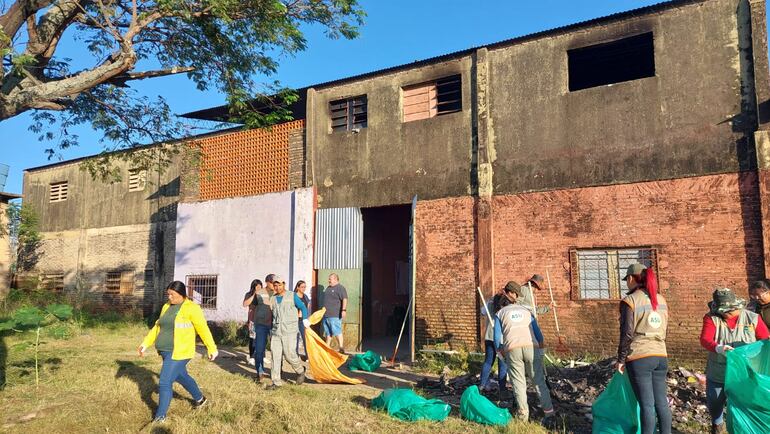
(642, 347)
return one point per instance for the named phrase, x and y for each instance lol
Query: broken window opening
(612, 62)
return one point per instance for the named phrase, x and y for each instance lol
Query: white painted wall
(242, 239)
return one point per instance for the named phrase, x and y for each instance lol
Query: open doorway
(385, 278)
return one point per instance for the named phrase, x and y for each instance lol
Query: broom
(561, 347)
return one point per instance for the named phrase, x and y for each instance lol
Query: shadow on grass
(362, 401)
(145, 382)
(28, 366)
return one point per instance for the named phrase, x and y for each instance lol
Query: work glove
(306, 323)
(213, 355)
(721, 349)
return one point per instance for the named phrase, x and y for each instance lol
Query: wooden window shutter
(420, 102)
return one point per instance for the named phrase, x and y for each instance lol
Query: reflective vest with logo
(649, 326)
(284, 315)
(516, 327)
(744, 333)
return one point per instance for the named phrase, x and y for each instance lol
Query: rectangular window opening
(58, 191)
(202, 288)
(119, 282)
(598, 274)
(435, 98)
(348, 114)
(626, 59)
(137, 180)
(53, 282)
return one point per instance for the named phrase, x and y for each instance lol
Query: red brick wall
(706, 229)
(446, 278)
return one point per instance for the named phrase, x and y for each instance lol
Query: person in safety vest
(726, 326)
(642, 347)
(283, 335)
(174, 338)
(759, 292)
(518, 339)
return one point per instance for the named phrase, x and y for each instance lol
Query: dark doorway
(385, 276)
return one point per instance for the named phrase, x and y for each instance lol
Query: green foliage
(228, 45)
(24, 231)
(457, 362)
(230, 333)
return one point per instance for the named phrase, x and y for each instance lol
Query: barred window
(203, 289)
(598, 274)
(137, 180)
(119, 282)
(432, 99)
(57, 191)
(348, 114)
(53, 282)
(149, 280)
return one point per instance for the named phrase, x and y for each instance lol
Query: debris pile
(575, 386)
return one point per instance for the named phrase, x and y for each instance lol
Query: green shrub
(458, 363)
(230, 333)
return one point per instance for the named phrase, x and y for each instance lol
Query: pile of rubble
(574, 387)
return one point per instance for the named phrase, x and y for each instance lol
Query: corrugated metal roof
(339, 238)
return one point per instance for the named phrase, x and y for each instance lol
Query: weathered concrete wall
(85, 257)
(690, 119)
(95, 204)
(242, 239)
(103, 227)
(390, 161)
(706, 230)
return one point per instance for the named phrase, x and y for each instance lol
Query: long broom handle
(553, 303)
(398, 342)
(489, 317)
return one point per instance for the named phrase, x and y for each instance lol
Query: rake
(561, 347)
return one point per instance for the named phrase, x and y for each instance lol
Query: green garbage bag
(369, 361)
(406, 405)
(747, 385)
(477, 408)
(616, 410)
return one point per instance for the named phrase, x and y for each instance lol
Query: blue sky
(396, 32)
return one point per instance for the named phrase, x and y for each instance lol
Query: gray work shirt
(333, 296)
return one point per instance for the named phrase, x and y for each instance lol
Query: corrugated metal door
(339, 246)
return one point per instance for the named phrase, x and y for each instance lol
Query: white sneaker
(250, 360)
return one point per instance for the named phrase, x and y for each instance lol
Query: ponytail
(650, 282)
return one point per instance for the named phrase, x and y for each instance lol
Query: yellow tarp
(323, 360)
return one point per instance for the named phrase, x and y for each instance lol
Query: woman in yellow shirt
(174, 338)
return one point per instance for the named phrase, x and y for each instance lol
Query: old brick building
(640, 136)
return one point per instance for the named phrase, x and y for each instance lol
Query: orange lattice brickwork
(246, 163)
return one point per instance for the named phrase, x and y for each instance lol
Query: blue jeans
(332, 326)
(648, 379)
(489, 359)
(260, 344)
(715, 401)
(173, 371)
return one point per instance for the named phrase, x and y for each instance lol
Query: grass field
(92, 381)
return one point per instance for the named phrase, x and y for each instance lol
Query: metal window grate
(598, 274)
(149, 280)
(203, 289)
(137, 180)
(348, 114)
(119, 282)
(58, 191)
(53, 282)
(449, 95)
